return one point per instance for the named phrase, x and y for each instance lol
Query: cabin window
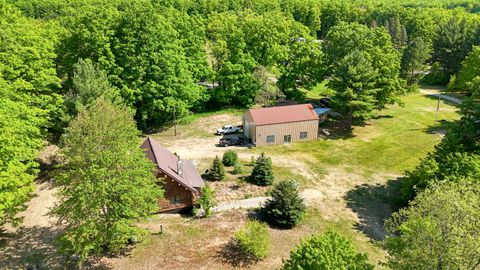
(303, 135)
(270, 138)
(287, 138)
(176, 199)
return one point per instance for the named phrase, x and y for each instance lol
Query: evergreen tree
(285, 208)
(414, 60)
(354, 82)
(453, 43)
(106, 182)
(262, 173)
(230, 158)
(89, 83)
(216, 171)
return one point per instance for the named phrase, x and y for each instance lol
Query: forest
(160, 58)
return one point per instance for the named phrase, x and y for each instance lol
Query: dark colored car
(234, 140)
(325, 102)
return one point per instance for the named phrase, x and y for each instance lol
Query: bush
(286, 207)
(230, 157)
(216, 171)
(253, 240)
(207, 201)
(262, 173)
(237, 168)
(326, 251)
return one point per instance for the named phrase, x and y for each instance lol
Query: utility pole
(174, 122)
(438, 108)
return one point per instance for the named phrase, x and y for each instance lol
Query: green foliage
(269, 94)
(354, 82)
(468, 72)
(253, 240)
(216, 171)
(89, 84)
(106, 182)
(326, 251)
(207, 200)
(230, 158)
(237, 168)
(262, 173)
(20, 139)
(414, 60)
(438, 230)
(303, 68)
(453, 43)
(27, 61)
(286, 207)
(379, 57)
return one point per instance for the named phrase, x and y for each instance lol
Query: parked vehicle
(233, 140)
(326, 102)
(228, 129)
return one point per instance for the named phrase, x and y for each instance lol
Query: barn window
(270, 138)
(303, 135)
(176, 199)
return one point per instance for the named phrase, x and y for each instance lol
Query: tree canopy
(106, 182)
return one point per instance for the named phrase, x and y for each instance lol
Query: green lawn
(392, 143)
(355, 177)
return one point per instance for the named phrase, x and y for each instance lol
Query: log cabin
(180, 179)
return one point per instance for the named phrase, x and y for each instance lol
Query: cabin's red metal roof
(283, 114)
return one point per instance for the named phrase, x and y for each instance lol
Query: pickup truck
(228, 129)
(234, 140)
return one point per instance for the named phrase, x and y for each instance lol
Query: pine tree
(262, 173)
(106, 182)
(216, 171)
(354, 82)
(286, 207)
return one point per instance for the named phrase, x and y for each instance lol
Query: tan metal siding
(280, 130)
(248, 120)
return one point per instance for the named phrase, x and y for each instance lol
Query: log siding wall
(280, 130)
(171, 189)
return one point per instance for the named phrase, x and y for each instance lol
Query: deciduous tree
(438, 230)
(106, 182)
(326, 251)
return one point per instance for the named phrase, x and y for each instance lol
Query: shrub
(237, 168)
(262, 173)
(216, 171)
(207, 201)
(230, 157)
(326, 251)
(286, 207)
(253, 240)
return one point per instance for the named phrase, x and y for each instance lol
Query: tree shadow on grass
(374, 203)
(30, 248)
(34, 248)
(232, 254)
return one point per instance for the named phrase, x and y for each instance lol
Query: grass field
(355, 176)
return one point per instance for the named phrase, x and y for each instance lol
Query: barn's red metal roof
(168, 164)
(283, 114)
